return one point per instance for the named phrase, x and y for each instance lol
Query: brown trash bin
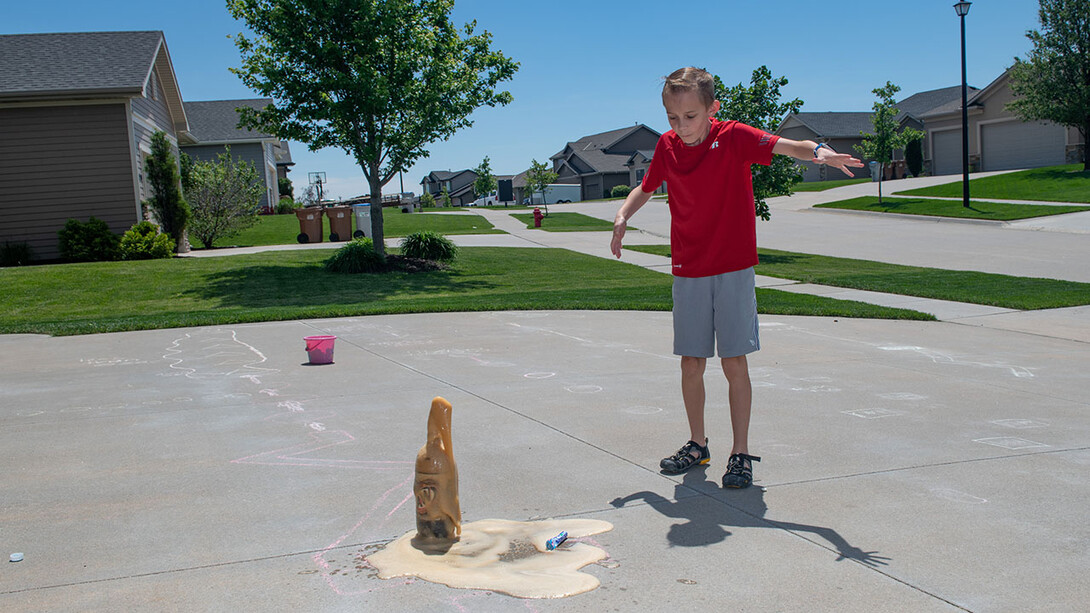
(310, 224)
(340, 222)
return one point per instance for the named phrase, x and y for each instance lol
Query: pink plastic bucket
(320, 349)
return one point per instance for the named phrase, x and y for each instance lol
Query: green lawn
(114, 296)
(951, 208)
(1022, 293)
(820, 186)
(495, 207)
(282, 229)
(567, 222)
(1053, 184)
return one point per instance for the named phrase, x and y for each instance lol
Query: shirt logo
(715, 144)
(765, 138)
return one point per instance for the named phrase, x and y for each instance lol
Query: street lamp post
(962, 9)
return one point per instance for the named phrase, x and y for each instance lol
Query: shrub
(224, 197)
(167, 204)
(357, 255)
(15, 254)
(427, 201)
(914, 157)
(145, 242)
(619, 191)
(286, 206)
(88, 242)
(428, 245)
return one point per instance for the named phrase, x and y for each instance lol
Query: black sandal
(739, 471)
(684, 459)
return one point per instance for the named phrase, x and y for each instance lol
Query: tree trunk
(881, 175)
(376, 211)
(1086, 145)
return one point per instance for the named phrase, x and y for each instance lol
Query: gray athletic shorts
(721, 308)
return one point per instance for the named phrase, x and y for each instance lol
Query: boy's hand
(619, 227)
(837, 160)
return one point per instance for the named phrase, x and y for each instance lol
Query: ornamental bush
(428, 245)
(286, 206)
(15, 254)
(619, 191)
(90, 241)
(144, 242)
(357, 255)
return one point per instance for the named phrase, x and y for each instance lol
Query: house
(599, 162)
(77, 111)
(459, 184)
(843, 131)
(998, 139)
(213, 124)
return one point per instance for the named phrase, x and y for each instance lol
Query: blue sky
(595, 65)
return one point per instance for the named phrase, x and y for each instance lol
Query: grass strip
(566, 222)
(282, 229)
(1023, 293)
(997, 211)
(1069, 183)
(67, 299)
(820, 186)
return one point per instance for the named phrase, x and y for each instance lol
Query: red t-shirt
(713, 226)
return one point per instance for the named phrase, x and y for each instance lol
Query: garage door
(946, 156)
(1014, 144)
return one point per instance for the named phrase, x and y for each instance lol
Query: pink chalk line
(319, 558)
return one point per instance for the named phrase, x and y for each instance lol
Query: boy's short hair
(690, 79)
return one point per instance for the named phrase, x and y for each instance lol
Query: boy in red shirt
(713, 244)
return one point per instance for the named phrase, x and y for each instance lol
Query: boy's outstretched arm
(636, 199)
(809, 151)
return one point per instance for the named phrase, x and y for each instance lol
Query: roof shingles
(75, 62)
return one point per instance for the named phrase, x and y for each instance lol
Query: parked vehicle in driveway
(557, 193)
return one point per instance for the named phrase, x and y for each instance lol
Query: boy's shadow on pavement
(709, 517)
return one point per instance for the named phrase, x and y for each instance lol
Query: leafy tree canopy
(537, 179)
(380, 79)
(486, 182)
(1053, 82)
(758, 104)
(888, 133)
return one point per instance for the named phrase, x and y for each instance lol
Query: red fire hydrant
(537, 217)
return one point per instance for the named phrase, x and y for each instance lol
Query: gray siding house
(600, 162)
(459, 184)
(77, 111)
(214, 126)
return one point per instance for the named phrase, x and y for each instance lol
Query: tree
(380, 79)
(427, 201)
(309, 197)
(537, 179)
(486, 182)
(1053, 83)
(914, 156)
(166, 203)
(444, 197)
(759, 105)
(224, 195)
(285, 188)
(879, 146)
